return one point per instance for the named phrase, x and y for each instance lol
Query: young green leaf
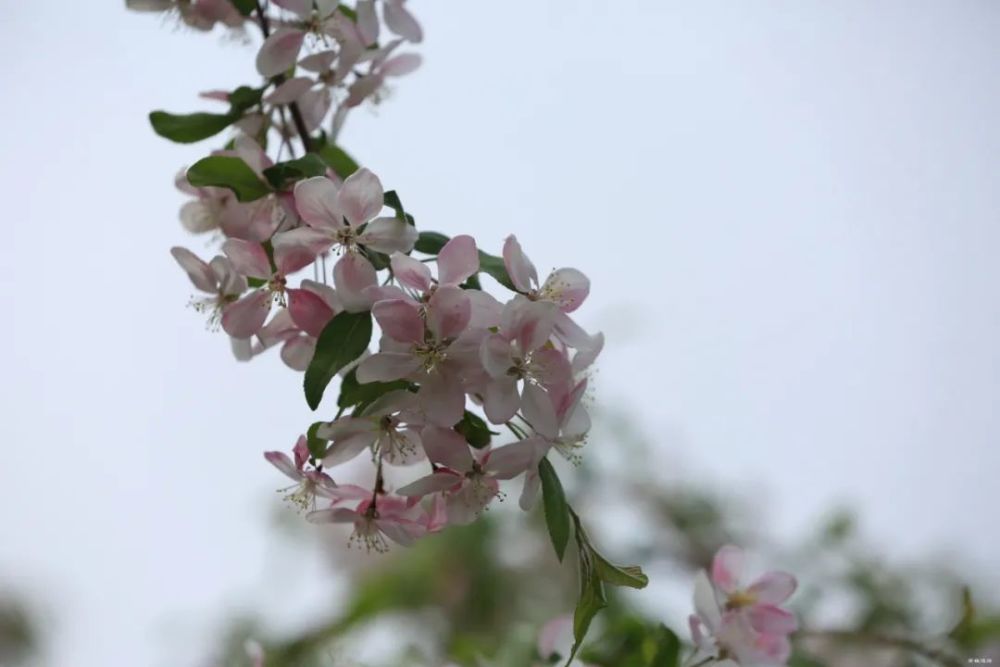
(668, 648)
(494, 266)
(475, 430)
(244, 7)
(189, 128)
(342, 340)
(354, 393)
(556, 509)
(243, 98)
(283, 174)
(430, 243)
(317, 446)
(338, 160)
(592, 600)
(619, 575)
(228, 172)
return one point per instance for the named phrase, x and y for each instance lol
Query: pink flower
(375, 518)
(382, 66)
(281, 49)
(218, 279)
(518, 355)
(401, 22)
(309, 482)
(742, 623)
(385, 427)
(298, 326)
(469, 481)
(246, 317)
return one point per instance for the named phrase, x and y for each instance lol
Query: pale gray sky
(789, 211)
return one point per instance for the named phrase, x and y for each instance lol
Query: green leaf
(391, 199)
(342, 341)
(243, 98)
(430, 243)
(338, 160)
(494, 266)
(244, 7)
(362, 395)
(189, 128)
(475, 430)
(286, 173)
(228, 172)
(317, 446)
(668, 648)
(619, 575)
(592, 600)
(556, 509)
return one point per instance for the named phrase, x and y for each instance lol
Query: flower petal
(501, 400)
(309, 311)
(520, 269)
(248, 258)
(400, 320)
(400, 21)
(448, 312)
(539, 411)
(297, 352)
(289, 91)
(281, 461)
(360, 197)
(447, 447)
(410, 272)
(772, 620)
(245, 317)
(351, 276)
(773, 587)
(433, 483)
(727, 567)
(387, 366)
(567, 287)
(199, 272)
(317, 203)
(279, 51)
(457, 260)
(389, 235)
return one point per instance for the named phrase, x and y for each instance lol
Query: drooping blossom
(385, 427)
(376, 517)
(218, 279)
(741, 623)
(469, 479)
(281, 49)
(309, 482)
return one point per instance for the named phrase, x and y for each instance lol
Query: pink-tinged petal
(199, 272)
(289, 91)
(297, 352)
(363, 88)
(772, 620)
(727, 567)
(698, 637)
(314, 104)
(529, 323)
(245, 317)
(567, 287)
(401, 65)
(278, 330)
(775, 649)
(230, 282)
(434, 483)
(447, 447)
(345, 449)
(520, 269)
(334, 515)
(400, 319)
(301, 451)
(510, 461)
(495, 355)
(197, 217)
(410, 272)
(400, 21)
(361, 197)
(281, 461)
(316, 201)
(458, 259)
(389, 235)
(465, 505)
(248, 150)
(279, 51)
(325, 292)
(298, 248)
(367, 21)
(402, 532)
(705, 603)
(485, 310)
(242, 348)
(555, 637)
(318, 62)
(248, 258)
(501, 400)
(529, 492)
(301, 8)
(442, 399)
(585, 356)
(437, 518)
(773, 587)
(448, 312)
(309, 311)
(538, 410)
(378, 293)
(351, 276)
(387, 366)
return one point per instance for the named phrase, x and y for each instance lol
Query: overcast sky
(789, 212)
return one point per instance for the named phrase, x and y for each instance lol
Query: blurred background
(789, 213)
